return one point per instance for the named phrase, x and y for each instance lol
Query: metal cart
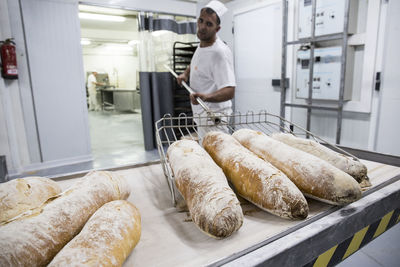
(168, 127)
(327, 237)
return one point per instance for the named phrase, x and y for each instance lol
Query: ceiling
(130, 24)
(101, 32)
(197, 1)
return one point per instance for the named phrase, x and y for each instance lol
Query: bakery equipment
(330, 17)
(167, 127)
(264, 239)
(328, 235)
(326, 73)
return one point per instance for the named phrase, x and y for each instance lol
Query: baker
(211, 71)
(92, 83)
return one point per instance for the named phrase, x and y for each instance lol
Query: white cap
(218, 7)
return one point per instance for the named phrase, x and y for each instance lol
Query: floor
(382, 251)
(117, 139)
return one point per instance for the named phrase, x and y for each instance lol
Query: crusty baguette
(345, 163)
(313, 176)
(254, 179)
(213, 205)
(35, 237)
(20, 195)
(107, 238)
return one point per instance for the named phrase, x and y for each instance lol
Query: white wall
(13, 140)
(113, 55)
(53, 45)
(121, 69)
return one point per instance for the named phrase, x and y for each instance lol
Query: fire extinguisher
(8, 59)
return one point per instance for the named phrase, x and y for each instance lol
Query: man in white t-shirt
(211, 70)
(93, 100)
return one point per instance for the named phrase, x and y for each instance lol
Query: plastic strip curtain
(157, 36)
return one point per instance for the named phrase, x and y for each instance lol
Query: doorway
(110, 40)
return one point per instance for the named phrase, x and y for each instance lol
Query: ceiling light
(85, 42)
(93, 16)
(133, 42)
(120, 47)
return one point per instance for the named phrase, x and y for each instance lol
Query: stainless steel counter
(169, 238)
(120, 98)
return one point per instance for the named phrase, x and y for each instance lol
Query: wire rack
(170, 129)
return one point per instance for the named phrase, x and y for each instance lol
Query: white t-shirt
(90, 82)
(211, 69)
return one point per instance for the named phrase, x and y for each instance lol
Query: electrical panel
(329, 17)
(326, 76)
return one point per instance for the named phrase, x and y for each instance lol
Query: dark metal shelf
(182, 55)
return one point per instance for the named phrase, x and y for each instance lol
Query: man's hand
(182, 77)
(199, 95)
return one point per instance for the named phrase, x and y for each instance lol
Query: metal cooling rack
(170, 129)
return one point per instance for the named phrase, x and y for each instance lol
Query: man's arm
(223, 94)
(184, 76)
(99, 84)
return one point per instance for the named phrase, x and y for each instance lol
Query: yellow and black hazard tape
(336, 254)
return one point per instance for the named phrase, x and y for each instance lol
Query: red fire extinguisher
(8, 59)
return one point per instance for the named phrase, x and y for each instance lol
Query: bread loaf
(106, 239)
(254, 179)
(313, 176)
(213, 205)
(35, 237)
(20, 195)
(345, 163)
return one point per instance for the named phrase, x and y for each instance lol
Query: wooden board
(169, 238)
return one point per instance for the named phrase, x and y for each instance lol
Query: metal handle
(216, 119)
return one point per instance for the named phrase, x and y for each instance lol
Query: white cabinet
(329, 17)
(326, 78)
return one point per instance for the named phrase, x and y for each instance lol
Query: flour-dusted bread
(20, 195)
(107, 238)
(35, 237)
(345, 163)
(255, 179)
(213, 205)
(315, 177)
